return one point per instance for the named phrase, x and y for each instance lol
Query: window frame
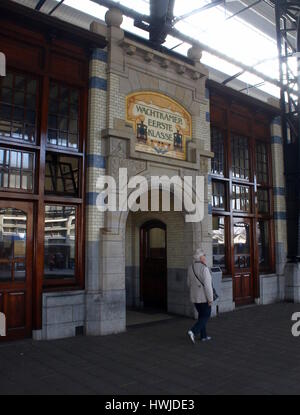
(37, 195)
(10, 140)
(226, 271)
(226, 125)
(78, 274)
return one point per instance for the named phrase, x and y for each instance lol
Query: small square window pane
(63, 108)
(20, 82)
(5, 272)
(5, 180)
(64, 94)
(52, 137)
(20, 271)
(14, 179)
(7, 80)
(31, 101)
(19, 98)
(73, 140)
(27, 180)
(29, 133)
(52, 122)
(62, 139)
(17, 131)
(53, 107)
(27, 161)
(5, 112)
(6, 95)
(73, 127)
(74, 112)
(53, 91)
(74, 96)
(18, 114)
(63, 124)
(32, 86)
(63, 172)
(5, 128)
(30, 117)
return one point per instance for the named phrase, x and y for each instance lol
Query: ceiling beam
(56, 7)
(40, 4)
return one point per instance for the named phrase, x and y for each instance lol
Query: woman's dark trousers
(204, 312)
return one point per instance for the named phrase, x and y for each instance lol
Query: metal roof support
(244, 9)
(56, 7)
(287, 15)
(161, 17)
(144, 22)
(201, 9)
(231, 78)
(40, 4)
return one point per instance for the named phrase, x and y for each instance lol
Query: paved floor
(137, 317)
(253, 351)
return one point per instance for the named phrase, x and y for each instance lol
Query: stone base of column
(292, 282)
(105, 313)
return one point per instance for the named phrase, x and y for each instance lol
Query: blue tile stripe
(209, 179)
(276, 121)
(209, 209)
(91, 198)
(98, 83)
(96, 161)
(207, 115)
(280, 215)
(99, 55)
(207, 95)
(276, 139)
(279, 191)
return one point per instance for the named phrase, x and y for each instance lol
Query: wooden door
(243, 258)
(16, 222)
(154, 265)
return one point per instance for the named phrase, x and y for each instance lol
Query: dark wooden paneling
(240, 124)
(65, 67)
(21, 54)
(242, 288)
(218, 115)
(16, 310)
(261, 129)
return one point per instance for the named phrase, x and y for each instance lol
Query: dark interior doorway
(153, 260)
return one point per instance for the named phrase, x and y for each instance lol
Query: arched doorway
(153, 264)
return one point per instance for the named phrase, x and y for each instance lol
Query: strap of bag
(196, 275)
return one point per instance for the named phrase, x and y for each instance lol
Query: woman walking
(201, 294)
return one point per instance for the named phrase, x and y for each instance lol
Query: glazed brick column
(96, 166)
(279, 202)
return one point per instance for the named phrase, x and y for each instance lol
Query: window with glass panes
(18, 106)
(240, 157)
(63, 129)
(52, 171)
(218, 148)
(240, 168)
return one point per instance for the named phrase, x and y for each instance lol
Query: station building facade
(77, 105)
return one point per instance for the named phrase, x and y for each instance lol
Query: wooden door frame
(27, 207)
(155, 223)
(252, 271)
